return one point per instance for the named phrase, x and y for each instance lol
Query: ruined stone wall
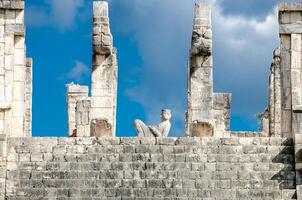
(222, 114)
(28, 97)
(2, 165)
(208, 112)
(200, 70)
(96, 114)
(149, 168)
(14, 79)
(290, 29)
(83, 118)
(274, 108)
(74, 94)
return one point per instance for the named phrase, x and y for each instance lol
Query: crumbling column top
(75, 88)
(290, 6)
(202, 14)
(200, 6)
(12, 4)
(100, 9)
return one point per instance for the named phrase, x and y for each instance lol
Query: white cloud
(77, 73)
(36, 17)
(64, 12)
(60, 14)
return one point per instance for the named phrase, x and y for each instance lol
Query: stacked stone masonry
(149, 168)
(208, 113)
(212, 163)
(75, 94)
(102, 103)
(15, 73)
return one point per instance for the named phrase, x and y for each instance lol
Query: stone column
(200, 80)
(275, 96)
(222, 114)
(82, 118)
(296, 87)
(12, 68)
(28, 97)
(75, 93)
(104, 71)
(3, 163)
(271, 104)
(286, 113)
(296, 92)
(290, 28)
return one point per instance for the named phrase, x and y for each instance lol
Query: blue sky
(153, 40)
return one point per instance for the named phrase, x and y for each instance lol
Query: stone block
(10, 16)
(18, 91)
(16, 29)
(147, 140)
(166, 141)
(295, 17)
(109, 141)
(20, 17)
(74, 88)
(284, 18)
(18, 109)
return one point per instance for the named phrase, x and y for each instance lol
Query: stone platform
(148, 168)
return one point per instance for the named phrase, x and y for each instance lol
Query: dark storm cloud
(250, 8)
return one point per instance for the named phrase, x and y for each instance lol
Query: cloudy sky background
(153, 41)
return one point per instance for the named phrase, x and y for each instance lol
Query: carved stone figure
(160, 130)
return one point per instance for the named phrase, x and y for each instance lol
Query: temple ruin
(15, 73)
(211, 162)
(96, 115)
(208, 113)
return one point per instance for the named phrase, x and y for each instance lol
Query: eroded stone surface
(101, 128)
(149, 168)
(75, 93)
(202, 129)
(83, 118)
(104, 70)
(15, 74)
(204, 106)
(102, 103)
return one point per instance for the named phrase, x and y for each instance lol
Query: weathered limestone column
(82, 118)
(75, 93)
(285, 15)
(28, 97)
(296, 89)
(271, 104)
(3, 164)
(200, 78)
(275, 96)
(290, 20)
(12, 79)
(104, 72)
(12, 69)
(222, 114)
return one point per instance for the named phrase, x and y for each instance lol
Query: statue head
(165, 114)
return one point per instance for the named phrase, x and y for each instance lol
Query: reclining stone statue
(160, 130)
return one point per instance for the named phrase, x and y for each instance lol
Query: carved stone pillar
(200, 78)
(104, 70)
